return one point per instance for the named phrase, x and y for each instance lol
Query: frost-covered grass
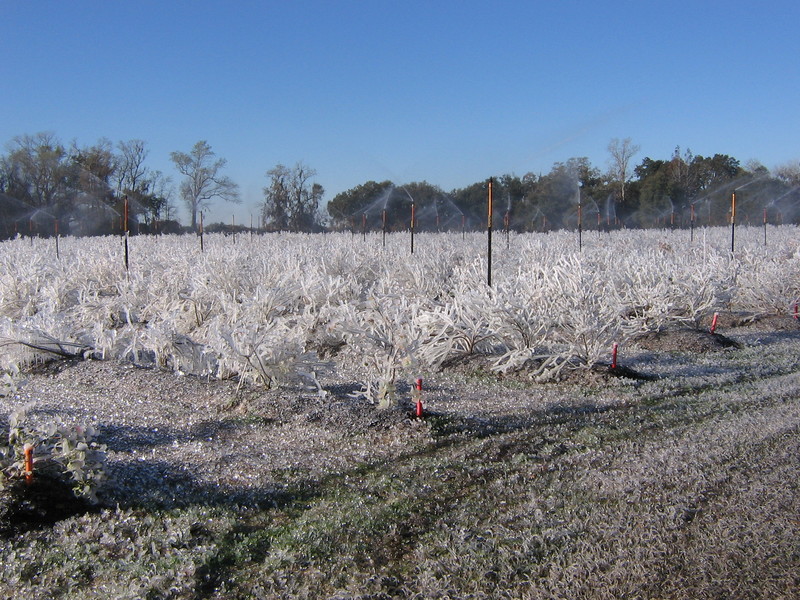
(681, 487)
(268, 309)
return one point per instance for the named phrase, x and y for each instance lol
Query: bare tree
(203, 181)
(789, 173)
(621, 153)
(290, 201)
(130, 167)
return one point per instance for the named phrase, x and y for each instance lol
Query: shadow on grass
(129, 438)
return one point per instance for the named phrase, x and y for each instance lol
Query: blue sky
(447, 92)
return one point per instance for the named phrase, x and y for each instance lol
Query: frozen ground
(679, 484)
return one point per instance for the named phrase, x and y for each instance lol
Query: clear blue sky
(447, 92)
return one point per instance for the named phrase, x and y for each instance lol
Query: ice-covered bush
(263, 308)
(381, 334)
(60, 452)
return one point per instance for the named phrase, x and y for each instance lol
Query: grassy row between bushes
(681, 487)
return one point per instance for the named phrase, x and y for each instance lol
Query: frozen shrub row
(268, 308)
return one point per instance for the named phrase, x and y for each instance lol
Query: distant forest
(48, 187)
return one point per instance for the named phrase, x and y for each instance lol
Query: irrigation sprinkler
(489, 237)
(614, 349)
(714, 322)
(364, 227)
(691, 223)
(418, 411)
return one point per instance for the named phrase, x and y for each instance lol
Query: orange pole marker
(28, 450)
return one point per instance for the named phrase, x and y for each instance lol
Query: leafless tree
(203, 181)
(130, 168)
(290, 200)
(789, 173)
(622, 151)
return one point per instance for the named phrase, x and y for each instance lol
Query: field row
(269, 308)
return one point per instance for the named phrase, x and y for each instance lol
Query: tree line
(682, 190)
(48, 186)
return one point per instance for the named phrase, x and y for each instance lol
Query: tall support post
(489, 237)
(125, 232)
(413, 218)
(733, 219)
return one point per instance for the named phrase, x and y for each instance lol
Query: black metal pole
(413, 216)
(489, 238)
(125, 233)
(733, 219)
